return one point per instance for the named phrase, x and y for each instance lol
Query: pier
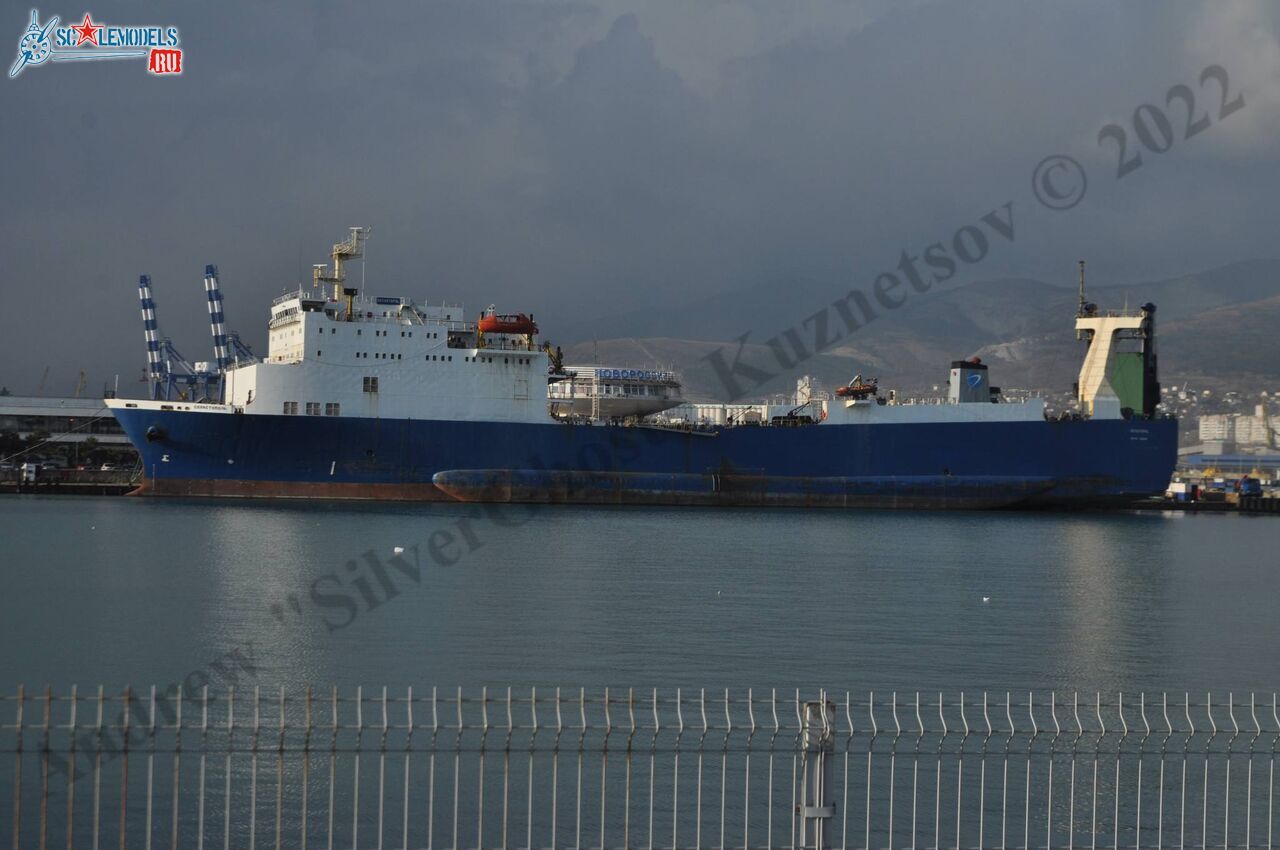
(69, 483)
(1242, 505)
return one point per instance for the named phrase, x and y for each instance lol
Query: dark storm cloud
(589, 159)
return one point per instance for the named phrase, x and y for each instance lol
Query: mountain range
(1218, 326)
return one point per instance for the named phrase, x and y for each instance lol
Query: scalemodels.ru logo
(88, 41)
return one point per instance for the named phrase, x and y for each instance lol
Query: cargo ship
(381, 397)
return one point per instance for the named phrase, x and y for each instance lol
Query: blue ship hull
(926, 465)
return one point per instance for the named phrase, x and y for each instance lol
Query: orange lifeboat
(857, 389)
(519, 323)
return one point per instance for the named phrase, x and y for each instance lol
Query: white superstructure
(388, 358)
(873, 411)
(597, 392)
(335, 352)
(969, 399)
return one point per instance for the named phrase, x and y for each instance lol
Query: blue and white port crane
(228, 348)
(172, 377)
(170, 374)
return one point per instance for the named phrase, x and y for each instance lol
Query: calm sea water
(128, 591)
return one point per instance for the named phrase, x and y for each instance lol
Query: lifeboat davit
(492, 323)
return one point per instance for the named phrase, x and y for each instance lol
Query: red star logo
(87, 31)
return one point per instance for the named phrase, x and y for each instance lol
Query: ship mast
(351, 248)
(1080, 312)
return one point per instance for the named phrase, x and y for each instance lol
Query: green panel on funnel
(1126, 379)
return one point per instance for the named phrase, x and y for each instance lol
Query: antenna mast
(349, 249)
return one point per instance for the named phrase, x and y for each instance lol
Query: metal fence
(644, 769)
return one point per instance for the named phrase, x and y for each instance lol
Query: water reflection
(144, 590)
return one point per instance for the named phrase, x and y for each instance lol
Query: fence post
(817, 745)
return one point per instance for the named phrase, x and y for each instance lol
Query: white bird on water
(398, 550)
(986, 599)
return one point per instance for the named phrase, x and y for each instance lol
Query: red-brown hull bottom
(728, 499)
(229, 488)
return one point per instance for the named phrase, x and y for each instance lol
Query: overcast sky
(579, 159)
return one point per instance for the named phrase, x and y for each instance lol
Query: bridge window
(291, 408)
(332, 408)
(371, 384)
(313, 408)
